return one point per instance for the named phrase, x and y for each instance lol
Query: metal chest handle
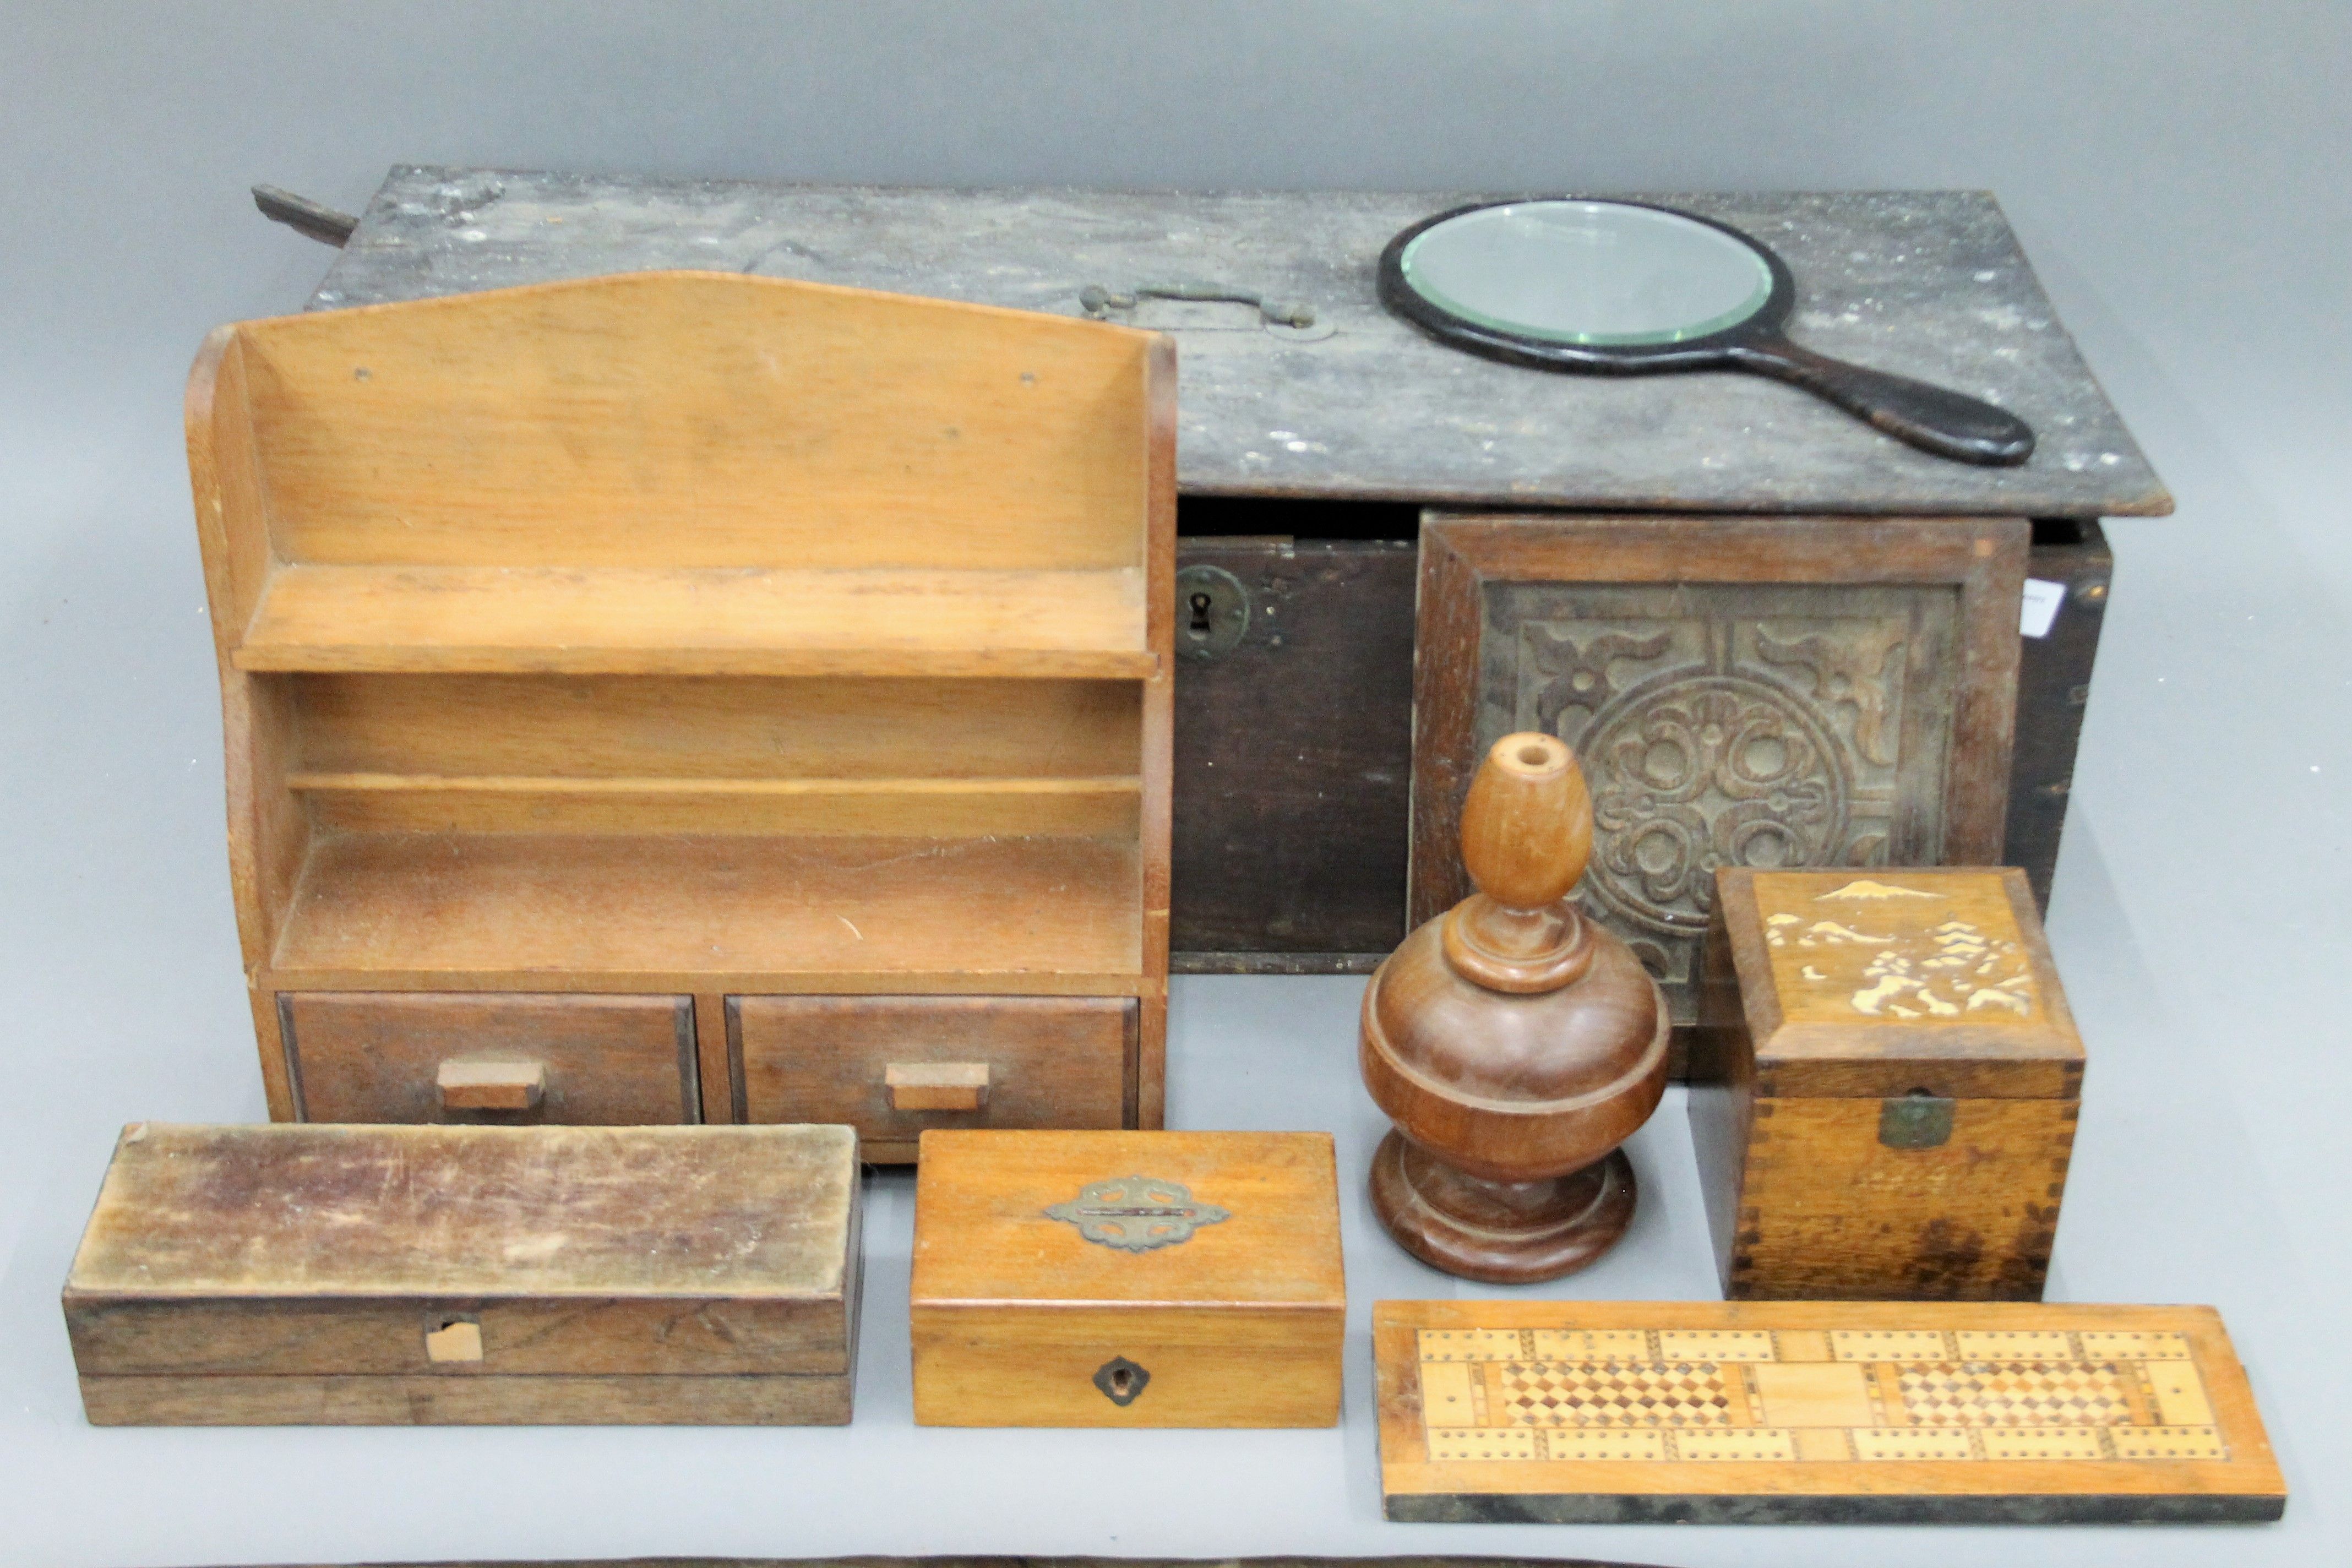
(1095, 300)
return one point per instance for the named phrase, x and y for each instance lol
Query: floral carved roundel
(1703, 772)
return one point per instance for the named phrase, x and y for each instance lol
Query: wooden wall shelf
(599, 658)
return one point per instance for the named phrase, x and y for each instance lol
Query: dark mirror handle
(1932, 418)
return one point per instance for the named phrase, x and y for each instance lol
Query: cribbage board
(1726, 1413)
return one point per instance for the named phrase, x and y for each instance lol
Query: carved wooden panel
(1796, 692)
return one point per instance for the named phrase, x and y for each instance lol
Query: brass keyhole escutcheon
(1121, 1381)
(1212, 612)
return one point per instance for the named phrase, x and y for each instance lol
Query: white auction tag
(2038, 612)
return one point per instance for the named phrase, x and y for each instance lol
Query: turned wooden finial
(1514, 1043)
(1527, 832)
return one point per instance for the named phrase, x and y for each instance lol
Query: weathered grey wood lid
(318, 1211)
(1361, 406)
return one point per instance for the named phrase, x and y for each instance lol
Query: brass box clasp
(1916, 1121)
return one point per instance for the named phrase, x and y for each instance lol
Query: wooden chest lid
(1365, 405)
(315, 1211)
(1238, 1220)
(1855, 982)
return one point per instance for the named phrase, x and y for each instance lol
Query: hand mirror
(1624, 288)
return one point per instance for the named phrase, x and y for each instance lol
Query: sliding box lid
(311, 1248)
(1215, 1220)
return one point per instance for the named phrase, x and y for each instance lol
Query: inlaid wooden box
(1127, 1279)
(290, 1275)
(1886, 1084)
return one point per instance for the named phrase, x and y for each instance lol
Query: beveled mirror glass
(1588, 272)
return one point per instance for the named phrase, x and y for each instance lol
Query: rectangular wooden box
(1127, 1279)
(687, 639)
(1308, 454)
(1673, 1412)
(1886, 1085)
(301, 1275)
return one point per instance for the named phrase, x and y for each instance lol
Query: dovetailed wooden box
(1886, 1085)
(1127, 1279)
(425, 1276)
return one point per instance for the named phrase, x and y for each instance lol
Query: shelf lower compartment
(568, 910)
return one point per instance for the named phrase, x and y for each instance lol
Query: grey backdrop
(2176, 174)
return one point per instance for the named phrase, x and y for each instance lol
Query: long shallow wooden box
(1886, 1085)
(423, 1275)
(1127, 1279)
(681, 697)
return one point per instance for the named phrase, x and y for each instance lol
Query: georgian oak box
(1885, 1081)
(1308, 454)
(285, 1275)
(1127, 1279)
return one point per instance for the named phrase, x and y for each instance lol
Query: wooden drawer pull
(491, 1086)
(937, 1085)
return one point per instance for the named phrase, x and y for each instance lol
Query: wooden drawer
(892, 1066)
(436, 1056)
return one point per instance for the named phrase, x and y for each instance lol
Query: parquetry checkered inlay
(1505, 1396)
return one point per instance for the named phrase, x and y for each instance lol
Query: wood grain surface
(1238, 1323)
(600, 1060)
(1294, 750)
(308, 1400)
(1794, 691)
(294, 1274)
(686, 420)
(1838, 1004)
(552, 620)
(1039, 1061)
(691, 636)
(1631, 1412)
(1929, 284)
(1292, 763)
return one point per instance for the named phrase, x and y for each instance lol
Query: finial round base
(1502, 1233)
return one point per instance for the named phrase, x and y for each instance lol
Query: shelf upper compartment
(700, 621)
(1014, 914)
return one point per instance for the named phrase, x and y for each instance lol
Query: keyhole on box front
(1121, 1381)
(1213, 611)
